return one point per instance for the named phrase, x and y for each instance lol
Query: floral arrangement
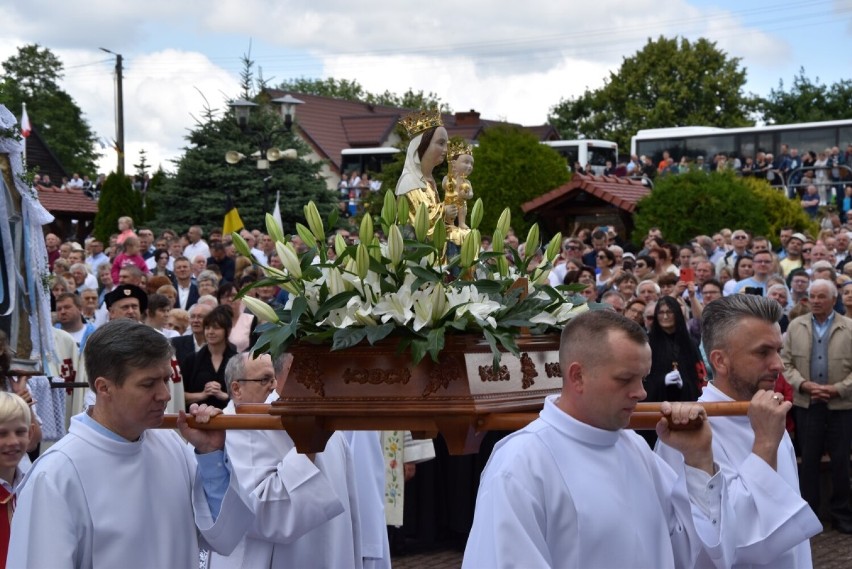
(344, 294)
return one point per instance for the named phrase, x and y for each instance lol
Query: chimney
(470, 118)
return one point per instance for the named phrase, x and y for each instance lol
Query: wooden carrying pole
(645, 417)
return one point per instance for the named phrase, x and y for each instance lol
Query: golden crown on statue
(456, 148)
(417, 122)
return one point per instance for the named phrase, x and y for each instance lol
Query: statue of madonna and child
(426, 150)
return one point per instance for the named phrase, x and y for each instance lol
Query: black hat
(127, 291)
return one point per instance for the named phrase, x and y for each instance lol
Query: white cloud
(511, 60)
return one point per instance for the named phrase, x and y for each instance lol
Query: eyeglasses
(806, 250)
(263, 381)
(602, 257)
(740, 236)
(665, 313)
(571, 248)
(641, 265)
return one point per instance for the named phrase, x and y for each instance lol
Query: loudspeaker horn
(233, 157)
(273, 154)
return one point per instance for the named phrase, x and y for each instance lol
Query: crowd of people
(151, 323)
(819, 178)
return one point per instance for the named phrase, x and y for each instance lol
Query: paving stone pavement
(830, 549)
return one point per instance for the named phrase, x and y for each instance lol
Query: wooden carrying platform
(374, 388)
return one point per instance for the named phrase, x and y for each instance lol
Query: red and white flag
(25, 123)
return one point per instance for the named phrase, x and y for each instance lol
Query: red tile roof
(368, 130)
(56, 200)
(332, 125)
(623, 193)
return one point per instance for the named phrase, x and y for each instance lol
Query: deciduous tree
(32, 76)
(668, 83)
(807, 101)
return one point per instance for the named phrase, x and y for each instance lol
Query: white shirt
(183, 295)
(561, 493)
(779, 522)
(192, 250)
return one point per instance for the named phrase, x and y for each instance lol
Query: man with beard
(743, 340)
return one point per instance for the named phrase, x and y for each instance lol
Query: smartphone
(755, 290)
(687, 275)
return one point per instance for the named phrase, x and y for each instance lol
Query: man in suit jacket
(818, 364)
(187, 291)
(188, 344)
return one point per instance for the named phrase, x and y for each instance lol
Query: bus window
(599, 156)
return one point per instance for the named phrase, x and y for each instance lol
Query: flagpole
(26, 136)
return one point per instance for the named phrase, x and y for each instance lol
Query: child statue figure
(457, 188)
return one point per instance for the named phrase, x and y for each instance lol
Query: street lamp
(266, 153)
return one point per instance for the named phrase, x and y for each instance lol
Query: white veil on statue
(412, 173)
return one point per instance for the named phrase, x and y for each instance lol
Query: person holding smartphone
(756, 284)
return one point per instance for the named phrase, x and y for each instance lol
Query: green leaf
(418, 350)
(426, 274)
(488, 287)
(348, 337)
(376, 333)
(333, 303)
(435, 342)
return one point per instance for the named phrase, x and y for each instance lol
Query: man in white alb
(576, 489)
(116, 492)
(742, 339)
(306, 505)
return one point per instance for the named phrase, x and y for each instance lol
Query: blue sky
(508, 60)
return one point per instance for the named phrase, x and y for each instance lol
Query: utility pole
(119, 109)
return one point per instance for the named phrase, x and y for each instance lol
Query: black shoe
(842, 526)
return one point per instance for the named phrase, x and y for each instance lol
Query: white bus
(707, 141)
(586, 152)
(593, 153)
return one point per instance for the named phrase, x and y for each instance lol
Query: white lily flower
(544, 318)
(397, 306)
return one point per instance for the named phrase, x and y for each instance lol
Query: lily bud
(439, 302)
(375, 250)
(497, 243)
(314, 221)
(476, 214)
(339, 244)
(366, 232)
(289, 259)
(439, 236)
(273, 229)
(260, 309)
(402, 210)
(389, 208)
(468, 249)
(362, 261)
(241, 246)
(504, 222)
(335, 282)
(395, 245)
(532, 242)
(553, 248)
(503, 266)
(421, 223)
(306, 235)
